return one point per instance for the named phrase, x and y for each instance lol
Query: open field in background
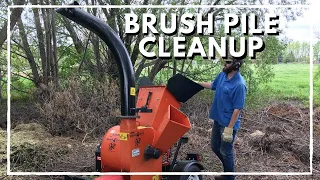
(290, 83)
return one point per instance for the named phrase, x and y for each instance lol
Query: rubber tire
(193, 168)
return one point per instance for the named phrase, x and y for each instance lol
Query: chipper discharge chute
(149, 124)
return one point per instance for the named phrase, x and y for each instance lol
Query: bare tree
(14, 17)
(26, 48)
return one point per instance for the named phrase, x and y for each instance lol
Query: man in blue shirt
(229, 99)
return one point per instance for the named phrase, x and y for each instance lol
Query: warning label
(135, 152)
(124, 136)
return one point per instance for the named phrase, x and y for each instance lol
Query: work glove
(227, 134)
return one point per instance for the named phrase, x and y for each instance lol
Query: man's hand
(206, 85)
(227, 134)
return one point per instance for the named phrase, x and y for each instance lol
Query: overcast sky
(299, 30)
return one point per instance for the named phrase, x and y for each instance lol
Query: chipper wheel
(193, 168)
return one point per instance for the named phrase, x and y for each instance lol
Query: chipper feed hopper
(150, 123)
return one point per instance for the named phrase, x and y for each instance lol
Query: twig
(315, 170)
(285, 119)
(205, 146)
(85, 51)
(28, 78)
(300, 112)
(15, 87)
(84, 137)
(14, 52)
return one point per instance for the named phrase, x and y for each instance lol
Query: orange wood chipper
(150, 123)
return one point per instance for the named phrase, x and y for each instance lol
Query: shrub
(79, 106)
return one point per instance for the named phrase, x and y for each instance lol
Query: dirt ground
(272, 139)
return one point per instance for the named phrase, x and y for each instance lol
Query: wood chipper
(150, 124)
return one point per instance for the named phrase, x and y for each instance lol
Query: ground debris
(257, 134)
(33, 149)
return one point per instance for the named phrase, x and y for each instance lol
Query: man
(225, 112)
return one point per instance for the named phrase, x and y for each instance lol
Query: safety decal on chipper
(136, 134)
(135, 152)
(156, 177)
(132, 91)
(166, 158)
(123, 136)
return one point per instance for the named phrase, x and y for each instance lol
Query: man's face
(227, 66)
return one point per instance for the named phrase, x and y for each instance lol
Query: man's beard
(227, 70)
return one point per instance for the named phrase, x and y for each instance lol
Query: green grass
(291, 82)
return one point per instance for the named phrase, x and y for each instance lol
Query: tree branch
(21, 55)
(13, 87)
(22, 76)
(169, 67)
(14, 17)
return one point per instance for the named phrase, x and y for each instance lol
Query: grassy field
(291, 82)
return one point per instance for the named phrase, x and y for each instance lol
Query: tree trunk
(47, 22)
(79, 45)
(127, 39)
(95, 42)
(14, 17)
(160, 63)
(28, 52)
(182, 66)
(0, 86)
(142, 63)
(55, 51)
(96, 47)
(76, 41)
(134, 54)
(174, 70)
(156, 68)
(41, 44)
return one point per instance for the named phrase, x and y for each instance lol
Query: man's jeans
(224, 150)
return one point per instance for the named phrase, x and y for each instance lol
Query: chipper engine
(150, 123)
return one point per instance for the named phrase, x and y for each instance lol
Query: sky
(299, 30)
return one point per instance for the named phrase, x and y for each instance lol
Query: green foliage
(317, 74)
(316, 51)
(290, 83)
(21, 89)
(316, 84)
(298, 52)
(273, 50)
(69, 63)
(289, 58)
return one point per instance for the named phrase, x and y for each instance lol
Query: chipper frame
(149, 125)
